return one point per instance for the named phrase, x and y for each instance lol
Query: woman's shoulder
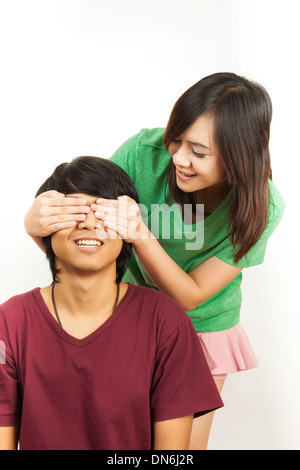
(139, 149)
(145, 138)
(151, 138)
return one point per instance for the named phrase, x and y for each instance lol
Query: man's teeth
(88, 243)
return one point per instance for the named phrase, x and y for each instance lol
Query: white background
(78, 77)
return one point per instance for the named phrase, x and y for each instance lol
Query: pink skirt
(228, 351)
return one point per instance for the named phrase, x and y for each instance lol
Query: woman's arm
(173, 434)
(189, 290)
(9, 437)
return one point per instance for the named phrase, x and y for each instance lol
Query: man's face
(88, 247)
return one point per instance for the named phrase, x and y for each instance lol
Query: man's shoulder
(159, 304)
(153, 295)
(16, 305)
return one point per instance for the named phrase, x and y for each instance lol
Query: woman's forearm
(9, 438)
(165, 273)
(39, 242)
(189, 290)
(123, 216)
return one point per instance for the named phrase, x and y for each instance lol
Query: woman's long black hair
(242, 113)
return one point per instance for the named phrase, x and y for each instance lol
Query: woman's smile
(184, 175)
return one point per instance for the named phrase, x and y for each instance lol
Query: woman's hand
(123, 217)
(53, 211)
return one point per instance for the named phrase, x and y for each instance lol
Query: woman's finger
(103, 214)
(121, 200)
(128, 230)
(52, 211)
(65, 218)
(52, 194)
(61, 226)
(119, 222)
(74, 210)
(105, 209)
(114, 230)
(50, 225)
(65, 201)
(54, 197)
(107, 202)
(129, 212)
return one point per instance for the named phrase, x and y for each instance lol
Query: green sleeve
(125, 156)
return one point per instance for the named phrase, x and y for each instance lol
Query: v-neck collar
(92, 336)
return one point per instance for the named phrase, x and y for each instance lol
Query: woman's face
(195, 156)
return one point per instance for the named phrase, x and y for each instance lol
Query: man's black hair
(97, 177)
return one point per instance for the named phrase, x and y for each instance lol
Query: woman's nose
(180, 158)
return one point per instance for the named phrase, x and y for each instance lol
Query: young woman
(214, 152)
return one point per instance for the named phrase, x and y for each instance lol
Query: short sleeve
(182, 382)
(256, 254)
(10, 408)
(125, 156)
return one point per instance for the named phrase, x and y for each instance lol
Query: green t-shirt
(145, 160)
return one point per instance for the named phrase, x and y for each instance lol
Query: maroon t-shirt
(144, 364)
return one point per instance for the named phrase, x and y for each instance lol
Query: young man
(91, 362)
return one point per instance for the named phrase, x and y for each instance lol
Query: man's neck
(85, 295)
(83, 302)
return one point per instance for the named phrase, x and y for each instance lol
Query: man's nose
(91, 222)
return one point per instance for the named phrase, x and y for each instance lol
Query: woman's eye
(200, 155)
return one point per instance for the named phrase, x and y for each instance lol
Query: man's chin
(83, 270)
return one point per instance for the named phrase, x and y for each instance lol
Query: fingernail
(99, 201)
